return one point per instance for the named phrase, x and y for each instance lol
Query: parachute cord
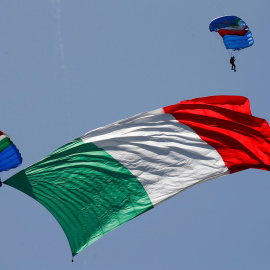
(236, 53)
(219, 38)
(230, 53)
(221, 41)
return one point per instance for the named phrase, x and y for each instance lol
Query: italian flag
(112, 174)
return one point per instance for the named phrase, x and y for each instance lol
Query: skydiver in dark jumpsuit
(232, 60)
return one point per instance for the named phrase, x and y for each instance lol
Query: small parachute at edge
(10, 156)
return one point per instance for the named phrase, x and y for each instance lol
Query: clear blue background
(67, 67)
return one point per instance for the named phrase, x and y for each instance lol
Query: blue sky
(68, 67)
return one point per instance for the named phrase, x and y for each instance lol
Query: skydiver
(232, 60)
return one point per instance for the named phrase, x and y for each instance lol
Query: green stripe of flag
(86, 190)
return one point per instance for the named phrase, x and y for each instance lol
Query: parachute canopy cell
(234, 31)
(10, 156)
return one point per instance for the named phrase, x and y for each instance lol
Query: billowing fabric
(234, 31)
(9, 154)
(112, 174)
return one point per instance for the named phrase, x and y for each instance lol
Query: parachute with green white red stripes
(234, 31)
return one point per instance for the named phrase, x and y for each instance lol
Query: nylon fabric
(85, 189)
(165, 156)
(226, 123)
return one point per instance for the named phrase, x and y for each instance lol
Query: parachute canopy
(9, 154)
(234, 31)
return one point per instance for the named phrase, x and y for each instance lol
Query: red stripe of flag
(226, 123)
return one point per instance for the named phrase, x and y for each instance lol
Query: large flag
(115, 173)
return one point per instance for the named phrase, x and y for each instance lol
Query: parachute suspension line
(3, 176)
(229, 52)
(221, 41)
(234, 53)
(219, 38)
